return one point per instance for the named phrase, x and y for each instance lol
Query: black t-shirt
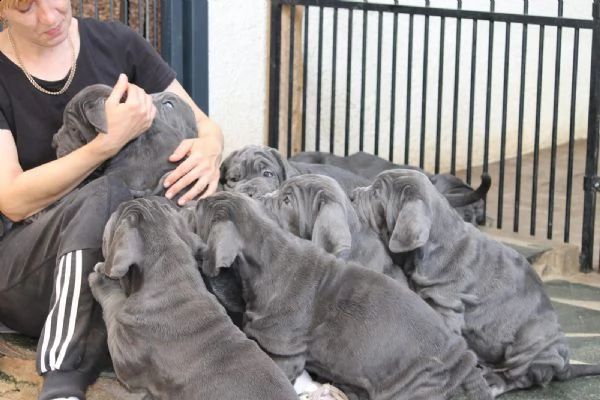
(107, 49)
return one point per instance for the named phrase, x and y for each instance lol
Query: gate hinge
(591, 183)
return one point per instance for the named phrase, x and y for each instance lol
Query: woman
(46, 57)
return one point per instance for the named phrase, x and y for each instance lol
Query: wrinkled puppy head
(313, 207)
(217, 219)
(397, 205)
(253, 162)
(137, 229)
(174, 122)
(174, 114)
(83, 118)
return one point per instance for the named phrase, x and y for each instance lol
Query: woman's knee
(88, 212)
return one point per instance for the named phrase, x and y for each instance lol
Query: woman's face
(43, 22)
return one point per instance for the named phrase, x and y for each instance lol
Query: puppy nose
(352, 196)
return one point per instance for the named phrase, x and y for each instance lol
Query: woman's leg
(44, 290)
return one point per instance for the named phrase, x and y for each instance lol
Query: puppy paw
(99, 268)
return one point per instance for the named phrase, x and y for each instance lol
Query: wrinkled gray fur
(482, 288)
(144, 162)
(314, 207)
(256, 170)
(359, 329)
(369, 165)
(168, 336)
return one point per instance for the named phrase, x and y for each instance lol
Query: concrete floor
(577, 305)
(542, 234)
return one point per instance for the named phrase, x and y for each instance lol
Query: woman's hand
(200, 169)
(126, 120)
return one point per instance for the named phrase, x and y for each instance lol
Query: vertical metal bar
(488, 96)
(348, 86)
(393, 90)
(456, 86)
(171, 34)
(536, 146)
(424, 92)
(553, 149)
(472, 101)
(591, 164)
(409, 88)
(305, 76)
(573, 110)
(519, 161)
(110, 9)
(96, 10)
(290, 104)
(274, 73)
(140, 19)
(319, 80)
(195, 51)
(378, 84)
(333, 82)
(438, 141)
(503, 130)
(363, 81)
(155, 24)
(125, 9)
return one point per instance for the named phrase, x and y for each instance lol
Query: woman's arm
(23, 193)
(200, 170)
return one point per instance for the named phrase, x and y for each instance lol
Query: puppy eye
(168, 104)
(234, 179)
(286, 200)
(267, 174)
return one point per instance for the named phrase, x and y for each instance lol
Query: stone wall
(140, 14)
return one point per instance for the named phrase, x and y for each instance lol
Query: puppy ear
(412, 227)
(125, 248)
(228, 290)
(282, 165)
(224, 245)
(95, 112)
(331, 231)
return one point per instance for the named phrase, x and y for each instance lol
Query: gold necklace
(30, 78)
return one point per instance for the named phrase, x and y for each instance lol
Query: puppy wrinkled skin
(360, 330)
(256, 170)
(314, 207)
(168, 337)
(482, 288)
(144, 162)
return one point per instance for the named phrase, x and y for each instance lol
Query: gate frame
(591, 182)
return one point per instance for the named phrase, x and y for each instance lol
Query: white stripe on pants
(60, 323)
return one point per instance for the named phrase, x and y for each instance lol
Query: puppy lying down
(482, 288)
(358, 329)
(168, 337)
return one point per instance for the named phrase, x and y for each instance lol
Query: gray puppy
(361, 330)
(314, 207)
(256, 170)
(143, 163)
(482, 288)
(369, 165)
(168, 336)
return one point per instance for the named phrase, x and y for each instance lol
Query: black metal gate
(178, 29)
(312, 108)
